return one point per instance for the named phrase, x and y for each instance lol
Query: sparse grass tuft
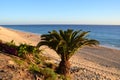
(34, 68)
(49, 74)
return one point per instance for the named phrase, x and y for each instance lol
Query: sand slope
(8, 35)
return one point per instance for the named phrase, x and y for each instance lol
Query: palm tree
(65, 43)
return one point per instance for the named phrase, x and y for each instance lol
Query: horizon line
(64, 24)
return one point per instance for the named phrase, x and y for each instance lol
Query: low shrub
(24, 49)
(11, 44)
(49, 74)
(7, 48)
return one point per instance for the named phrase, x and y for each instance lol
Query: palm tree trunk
(64, 67)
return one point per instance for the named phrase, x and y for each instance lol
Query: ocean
(107, 35)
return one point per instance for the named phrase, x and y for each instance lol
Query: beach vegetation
(25, 49)
(45, 73)
(11, 44)
(30, 59)
(18, 50)
(9, 48)
(66, 43)
(49, 74)
(34, 68)
(18, 61)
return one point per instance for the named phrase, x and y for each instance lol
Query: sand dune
(8, 35)
(94, 61)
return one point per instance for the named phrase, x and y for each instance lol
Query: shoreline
(21, 31)
(101, 45)
(110, 47)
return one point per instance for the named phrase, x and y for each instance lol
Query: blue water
(108, 35)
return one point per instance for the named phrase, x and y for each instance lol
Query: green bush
(49, 74)
(9, 48)
(24, 49)
(11, 44)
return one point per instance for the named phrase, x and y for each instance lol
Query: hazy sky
(60, 12)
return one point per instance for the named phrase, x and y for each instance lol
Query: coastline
(95, 60)
(110, 47)
(23, 31)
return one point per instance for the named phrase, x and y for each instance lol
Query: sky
(60, 12)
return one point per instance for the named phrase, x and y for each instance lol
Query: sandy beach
(99, 62)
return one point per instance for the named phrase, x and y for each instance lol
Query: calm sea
(108, 35)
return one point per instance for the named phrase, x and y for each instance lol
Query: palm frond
(65, 43)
